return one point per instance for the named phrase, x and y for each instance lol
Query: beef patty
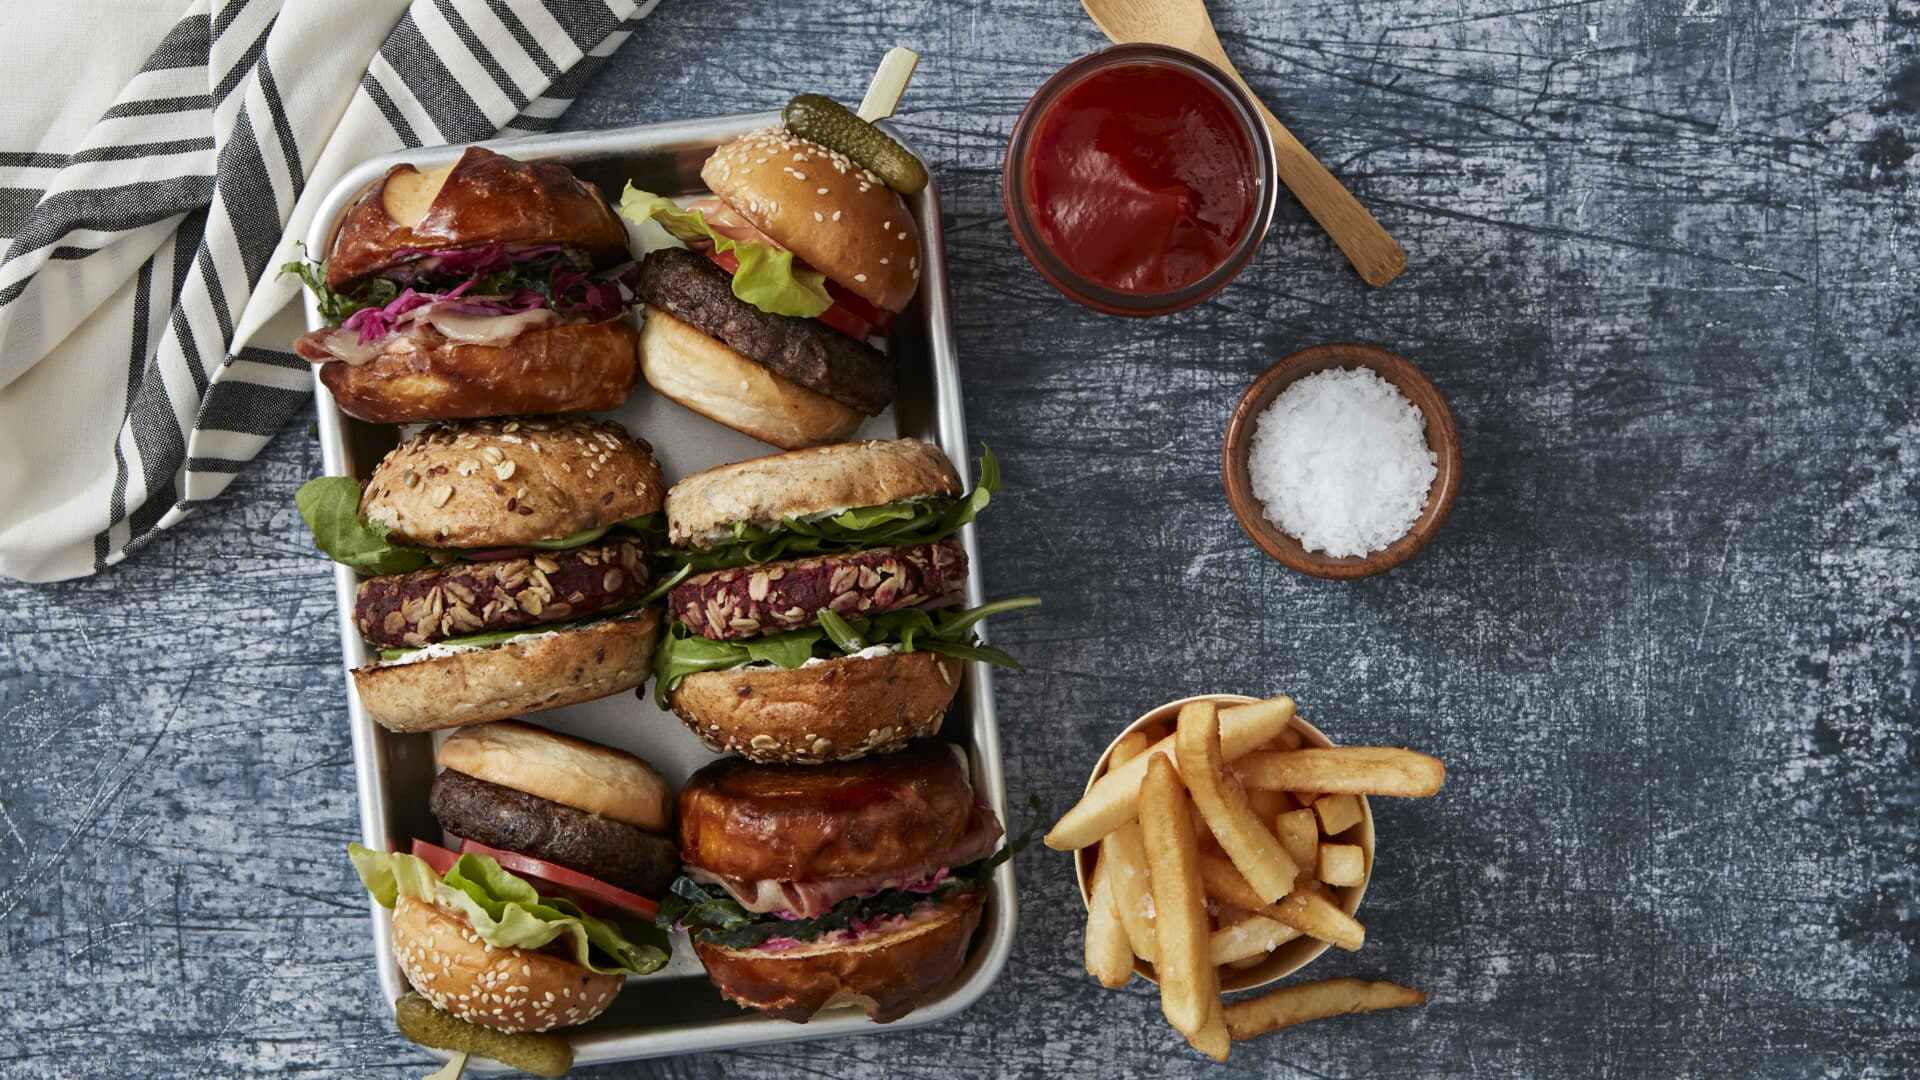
(512, 820)
(746, 601)
(418, 609)
(689, 287)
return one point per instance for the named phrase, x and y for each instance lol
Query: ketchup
(1141, 178)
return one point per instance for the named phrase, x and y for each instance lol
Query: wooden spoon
(1183, 24)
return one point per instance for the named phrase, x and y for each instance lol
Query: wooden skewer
(889, 83)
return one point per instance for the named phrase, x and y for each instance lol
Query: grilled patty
(512, 820)
(417, 609)
(689, 287)
(750, 600)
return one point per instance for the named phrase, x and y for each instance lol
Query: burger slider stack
(481, 288)
(800, 258)
(505, 568)
(824, 618)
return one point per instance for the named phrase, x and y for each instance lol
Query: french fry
(1121, 851)
(1305, 910)
(1344, 770)
(1267, 803)
(1126, 853)
(1253, 937)
(1115, 797)
(1289, 739)
(1299, 833)
(1189, 987)
(1253, 849)
(1212, 1038)
(1342, 864)
(1297, 1004)
(1338, 813)
(1108, 958)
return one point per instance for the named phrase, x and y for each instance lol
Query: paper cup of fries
(1251, 963)
(1222, 844)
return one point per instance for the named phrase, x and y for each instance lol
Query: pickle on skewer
(821, 119)
(420, 1022)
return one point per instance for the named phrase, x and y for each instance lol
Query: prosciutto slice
(806, 899)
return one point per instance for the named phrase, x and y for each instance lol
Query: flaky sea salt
(1340, 461)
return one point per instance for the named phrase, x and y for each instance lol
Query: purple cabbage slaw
(600, 300)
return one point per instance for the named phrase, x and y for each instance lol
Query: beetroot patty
(747, 601)
(417, 609)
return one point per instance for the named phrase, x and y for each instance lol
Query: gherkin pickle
(823, 120)
(420, 1022)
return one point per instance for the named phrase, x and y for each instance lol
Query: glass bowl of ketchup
(1140, 180)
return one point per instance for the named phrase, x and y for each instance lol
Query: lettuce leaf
(767, 278)
(330, 505)
(682, 652)
(913, 521)
(508, 913)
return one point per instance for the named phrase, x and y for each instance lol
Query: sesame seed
(818, 216)
(819, 191)
(859, 277)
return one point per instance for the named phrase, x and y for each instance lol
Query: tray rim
(990, 954)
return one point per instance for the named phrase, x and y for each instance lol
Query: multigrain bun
(838, 710)
(877, 816)
(573, 367)
(706, 376)
(545, 671)
(503, 988)
(886, 974)
(483, 198)
(573, 772)
(503, 483)
(834, 215)
(763, 490)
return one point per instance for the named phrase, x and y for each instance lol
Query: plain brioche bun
(544, 670)
(837, 710)
(763, 490)
(834, 215)
(886, 973)
(572, 367)
(506, 989)
(482, 198)
(699, 372)
(504, 483)
(573, 772)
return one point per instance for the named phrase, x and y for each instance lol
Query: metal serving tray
(675, 1010)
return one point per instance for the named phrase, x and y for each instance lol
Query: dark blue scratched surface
(1664, 261)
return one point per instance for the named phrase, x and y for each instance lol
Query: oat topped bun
(505, 483)
(801, 482)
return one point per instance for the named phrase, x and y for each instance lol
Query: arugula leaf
(335, 307)
(767, 278)
(911, 521)
(682, 652)
(507, 912)
(330, 505)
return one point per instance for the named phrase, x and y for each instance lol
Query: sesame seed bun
(573, 772)
(483, 198)
(838, 710)
(763, 490)
(503, 483)
(706, 376)
(884, 974)
(834, 215)
(506, 989)
(547, 671)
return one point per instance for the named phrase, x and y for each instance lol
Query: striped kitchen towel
(155, 169)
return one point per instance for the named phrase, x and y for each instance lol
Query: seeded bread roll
(505, 483)
(506, 989)
(885, 974)
(573, 772)
(704, 506)
(483, 198)
(838, 710)
(832, 214)
(543, 672)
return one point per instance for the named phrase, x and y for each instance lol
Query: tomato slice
(590, 891)
(848, 313)
(550, 879)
